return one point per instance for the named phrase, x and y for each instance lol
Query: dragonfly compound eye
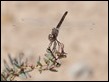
(51, 37)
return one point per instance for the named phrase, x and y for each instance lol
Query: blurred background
(25, 27)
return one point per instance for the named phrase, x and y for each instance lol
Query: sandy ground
(25, 27)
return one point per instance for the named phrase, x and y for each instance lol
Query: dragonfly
(53, 36)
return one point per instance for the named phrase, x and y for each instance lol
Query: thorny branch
(54, 53)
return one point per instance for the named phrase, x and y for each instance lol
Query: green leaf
(39, 63)
(46, 61)
(7, 66)
(10, 58)
(40, 70)
(53, 70)
(3, 78)
(62, 56)
(20, 57)
(48, 50)
(23, 75)
(16, 61)
(16, 64)
(49, 56)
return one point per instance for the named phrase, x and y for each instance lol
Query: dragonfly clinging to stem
(53, 36)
